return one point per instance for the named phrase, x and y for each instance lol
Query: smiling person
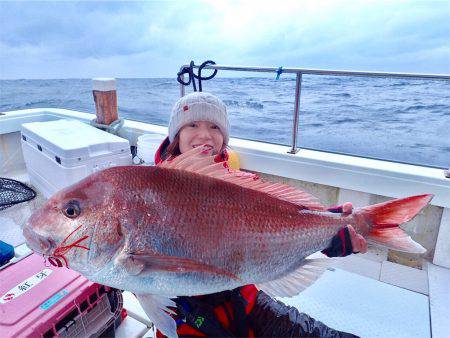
(199, 119)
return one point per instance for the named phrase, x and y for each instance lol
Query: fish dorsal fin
(298, 280)
(197, 161)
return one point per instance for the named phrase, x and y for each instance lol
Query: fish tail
(384, 220)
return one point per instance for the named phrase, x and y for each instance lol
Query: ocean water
(399, 120)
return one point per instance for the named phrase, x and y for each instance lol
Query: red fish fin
(395, 238)
(197, 162)
(176, 264)
(385, 218)
(298, 280)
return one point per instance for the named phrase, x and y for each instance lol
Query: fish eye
(72, 209)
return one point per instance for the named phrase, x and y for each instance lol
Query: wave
(59, 102)
(246, 104)
(127, 110)
(421, 146)
(400, 84)
(347, 120)
(340, 94)
(254, 105)
(427, 107)
(167, 84)
(351, 106)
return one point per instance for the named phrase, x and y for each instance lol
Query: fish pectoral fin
(157, 309)
(298, 280)
(132, 266)
(155, 262)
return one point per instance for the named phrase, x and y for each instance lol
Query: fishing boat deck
(367, 295)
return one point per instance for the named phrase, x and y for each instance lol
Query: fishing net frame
(13, 192)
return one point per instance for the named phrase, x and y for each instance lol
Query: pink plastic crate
(39, 300)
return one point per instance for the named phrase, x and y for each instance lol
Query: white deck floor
(364, 306)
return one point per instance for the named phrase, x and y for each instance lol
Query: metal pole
(329, 72)
(182, 86)
(298, 92)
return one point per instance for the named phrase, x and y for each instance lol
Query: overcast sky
(153, 39)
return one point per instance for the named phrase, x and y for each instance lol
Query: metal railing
(298, 83)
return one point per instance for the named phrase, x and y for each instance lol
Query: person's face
(198, 133)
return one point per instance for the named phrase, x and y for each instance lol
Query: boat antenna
(192, 76)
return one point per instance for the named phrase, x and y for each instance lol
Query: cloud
(144, 39)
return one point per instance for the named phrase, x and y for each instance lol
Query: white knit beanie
(199, 106)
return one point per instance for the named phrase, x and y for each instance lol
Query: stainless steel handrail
(298, 88)
(300, 71)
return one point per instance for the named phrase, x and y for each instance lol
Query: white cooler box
(60, 153)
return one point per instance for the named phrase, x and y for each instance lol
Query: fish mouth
(38, 242)
(64, 247)
(53, 252)
(58, 257)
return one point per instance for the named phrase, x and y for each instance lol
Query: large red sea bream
(192, 226)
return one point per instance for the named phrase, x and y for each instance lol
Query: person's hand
(359, 244)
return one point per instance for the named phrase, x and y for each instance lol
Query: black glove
(341, 245)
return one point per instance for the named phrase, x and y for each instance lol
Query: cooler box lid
(72, 139)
